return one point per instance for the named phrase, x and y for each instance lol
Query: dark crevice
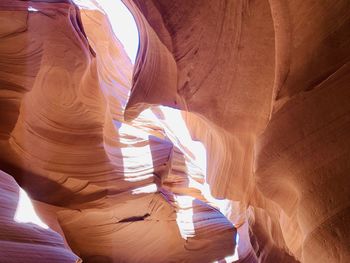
(134, 218)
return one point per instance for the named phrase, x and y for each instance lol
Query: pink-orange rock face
(263, 85)
(64, 140)
(273, 79)
(26, 242)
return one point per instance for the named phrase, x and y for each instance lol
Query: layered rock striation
(227, 141)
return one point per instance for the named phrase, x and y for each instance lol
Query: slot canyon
(226, 140)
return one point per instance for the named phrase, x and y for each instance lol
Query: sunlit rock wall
(267, 83)
(260, 140)
(93, 178)
(21, 240)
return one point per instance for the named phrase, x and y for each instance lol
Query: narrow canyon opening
(174, 131)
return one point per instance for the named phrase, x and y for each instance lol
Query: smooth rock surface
(234, 119)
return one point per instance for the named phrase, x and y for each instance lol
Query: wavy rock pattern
(26, 242)
(64, 140)
(266, 83)
(262, 124)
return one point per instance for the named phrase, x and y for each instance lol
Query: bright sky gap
(122, 22)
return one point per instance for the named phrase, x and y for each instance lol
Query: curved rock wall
(25, 241)
(64, 140)
(262, 125)
(270, 78)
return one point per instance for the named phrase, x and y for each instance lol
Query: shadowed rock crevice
(134, 218)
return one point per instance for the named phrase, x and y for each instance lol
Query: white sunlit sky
(122, 22)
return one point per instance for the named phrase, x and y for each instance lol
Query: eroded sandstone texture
(263, 99)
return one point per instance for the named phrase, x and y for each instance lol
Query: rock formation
(226, 142)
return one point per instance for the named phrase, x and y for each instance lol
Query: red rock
(263, 119)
